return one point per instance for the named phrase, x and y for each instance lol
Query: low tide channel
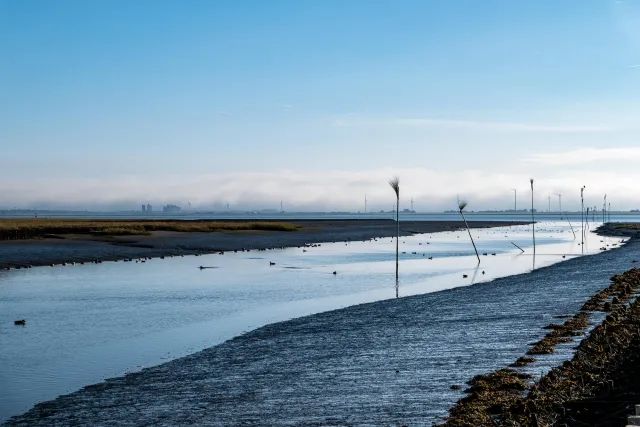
(85, 323)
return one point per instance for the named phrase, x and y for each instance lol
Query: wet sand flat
(22, 253)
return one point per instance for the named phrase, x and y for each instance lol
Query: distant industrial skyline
(593, 214)
(334, 198)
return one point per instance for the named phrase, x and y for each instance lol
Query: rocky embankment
(599, 386)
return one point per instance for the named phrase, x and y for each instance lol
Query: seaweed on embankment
(560, 333)
(596, 386)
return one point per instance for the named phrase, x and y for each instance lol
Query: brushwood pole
(533, 220)
(397, 233)
(469, 231)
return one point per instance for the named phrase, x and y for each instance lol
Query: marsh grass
(628, 225)
(561, 333)
(523, 361)
(488, 394)
(28, 228)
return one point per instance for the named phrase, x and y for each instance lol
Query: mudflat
(628, 229)
(68, 248)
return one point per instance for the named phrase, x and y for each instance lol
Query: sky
(108, 104)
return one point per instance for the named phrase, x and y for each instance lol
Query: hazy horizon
(110, 104)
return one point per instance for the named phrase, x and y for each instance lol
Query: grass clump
(523, 361)
(547, 345)
(621, 291)
(489, 394)
(560, 333)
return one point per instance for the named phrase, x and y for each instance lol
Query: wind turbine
(549, 197)
(559, 201)
(568, 220)
(412, 203)
(365, 203)
(515, 200)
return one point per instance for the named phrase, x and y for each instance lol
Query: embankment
(599, 386)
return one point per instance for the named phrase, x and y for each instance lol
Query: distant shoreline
(619, 229)
(67, 249)
(273, 214)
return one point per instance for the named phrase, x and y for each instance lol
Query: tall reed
(533, 219)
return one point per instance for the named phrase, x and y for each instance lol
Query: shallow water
(90, 322)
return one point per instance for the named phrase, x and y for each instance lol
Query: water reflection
(475, 274)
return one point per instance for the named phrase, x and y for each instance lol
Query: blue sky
(106, 103)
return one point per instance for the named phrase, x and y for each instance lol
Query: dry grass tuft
(395, 184)
(561, 333)
(523, 361)
(489, 394)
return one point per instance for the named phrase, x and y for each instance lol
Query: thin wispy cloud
(634, 66)
(469, 125)
(586, 155)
